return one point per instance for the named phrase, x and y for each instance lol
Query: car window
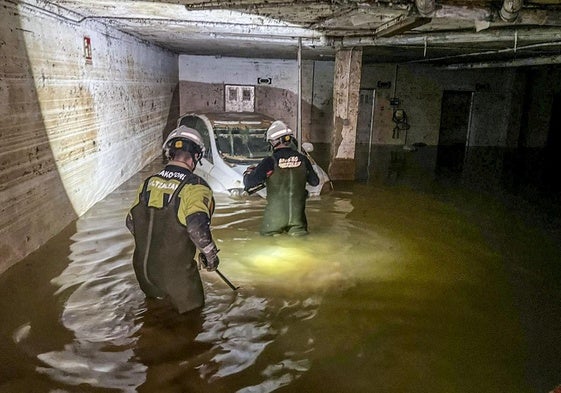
(198, 124)
(188, 121)
(241, 143)
(203, 130)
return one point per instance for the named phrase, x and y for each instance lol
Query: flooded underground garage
(432, 265)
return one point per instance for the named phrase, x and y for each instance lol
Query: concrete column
(346, 86)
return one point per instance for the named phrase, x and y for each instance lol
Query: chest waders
(286, 202)
(163, 256)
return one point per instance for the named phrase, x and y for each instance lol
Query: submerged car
(234, 141)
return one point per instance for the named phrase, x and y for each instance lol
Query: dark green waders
(163, 257)
(286, 202)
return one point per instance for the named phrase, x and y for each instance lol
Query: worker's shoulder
(288, 152)
(195, 180)
(284, 152)
(183, 175)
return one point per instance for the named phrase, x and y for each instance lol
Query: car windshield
(241, 144)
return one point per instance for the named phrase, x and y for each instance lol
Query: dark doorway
(454, 129)
(552, 179)
(554, 136)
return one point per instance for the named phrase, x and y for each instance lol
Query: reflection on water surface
(398, 288)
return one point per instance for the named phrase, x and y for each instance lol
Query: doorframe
(468, 126)
(470, 119)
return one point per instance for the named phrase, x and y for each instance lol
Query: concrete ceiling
(450, 32)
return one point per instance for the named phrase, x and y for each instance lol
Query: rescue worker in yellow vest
(170, 220)
(285, 174)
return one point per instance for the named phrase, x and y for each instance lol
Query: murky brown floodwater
(398, 288)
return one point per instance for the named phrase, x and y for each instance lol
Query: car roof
(217, 118)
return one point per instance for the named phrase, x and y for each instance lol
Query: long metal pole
(468, 134)
(203, 260)
(299, 112)
(371, 132)
(226, 280)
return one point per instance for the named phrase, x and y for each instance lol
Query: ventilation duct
(510, 9)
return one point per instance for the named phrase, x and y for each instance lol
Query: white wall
(71, 132)
(202, 80)
(229, 70)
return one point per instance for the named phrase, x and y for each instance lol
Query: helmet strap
(275, 143)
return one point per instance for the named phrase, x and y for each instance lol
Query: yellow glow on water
(338, 251)
(280, 259)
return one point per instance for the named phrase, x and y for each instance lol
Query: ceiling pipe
(490, 52)
(510, 10)
(426, 8)
(533, 34)
(399, 25)
(534, 61)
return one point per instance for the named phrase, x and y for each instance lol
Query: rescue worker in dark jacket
(285, 173)
(170, 220)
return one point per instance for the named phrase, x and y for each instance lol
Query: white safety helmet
(177, 138)
(278, 130)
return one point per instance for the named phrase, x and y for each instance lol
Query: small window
(239, 98)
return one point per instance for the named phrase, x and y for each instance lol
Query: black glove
(249, 169)
(208, 257)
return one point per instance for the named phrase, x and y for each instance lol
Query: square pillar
(346, 91)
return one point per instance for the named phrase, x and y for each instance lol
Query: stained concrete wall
(202, 80)
(322, 101)
(71, 132)
(510, 123)
(496, 106)
(502, 97)
(419, 89)
(496, 102)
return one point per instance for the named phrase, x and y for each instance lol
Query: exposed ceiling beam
(399, 25)
(389, 30)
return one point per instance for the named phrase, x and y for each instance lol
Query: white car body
(234, 141)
